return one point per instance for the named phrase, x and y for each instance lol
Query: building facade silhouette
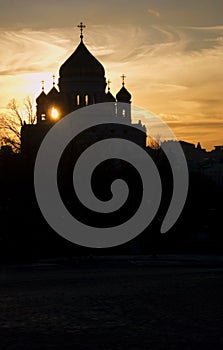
(81, 83)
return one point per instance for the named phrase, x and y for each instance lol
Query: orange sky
(173, 63)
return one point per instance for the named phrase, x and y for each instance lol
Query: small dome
(53, 93)
(110, 97)
(123, 95)
(82, 63)
(41, 98)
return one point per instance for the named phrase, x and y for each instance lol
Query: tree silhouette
(13, 119)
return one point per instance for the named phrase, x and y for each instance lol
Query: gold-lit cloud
(176, 72)
(154, 12)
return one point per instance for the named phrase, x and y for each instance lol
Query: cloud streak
(154, 12)
(27, 51)
(172, 71)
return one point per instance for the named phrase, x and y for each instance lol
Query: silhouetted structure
(82, 82)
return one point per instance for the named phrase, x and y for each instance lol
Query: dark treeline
(24, 233)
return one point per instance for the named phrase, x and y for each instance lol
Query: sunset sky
(170, 50)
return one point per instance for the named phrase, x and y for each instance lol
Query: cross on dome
(123, 76)
(53, 76)
(109, 82)
(81, 26)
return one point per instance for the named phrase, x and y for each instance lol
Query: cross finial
(109, 82)
(43, 82)
(81, 26)
(53, 76)
(123, 79)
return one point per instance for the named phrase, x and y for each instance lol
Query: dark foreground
(168, 302)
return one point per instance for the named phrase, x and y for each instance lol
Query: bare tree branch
(29, 107)
(12, 121)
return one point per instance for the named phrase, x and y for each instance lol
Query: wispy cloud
(154, 12)
(172, 71)
(28, 51)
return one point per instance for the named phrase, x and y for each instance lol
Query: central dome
(82, 63)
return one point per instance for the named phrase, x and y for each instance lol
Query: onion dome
(82, 63)
(53, 93)
(41, 98)
(123, 95)
(110, 97)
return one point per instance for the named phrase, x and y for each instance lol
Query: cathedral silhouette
(81, 83)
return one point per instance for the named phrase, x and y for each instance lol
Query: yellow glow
(54, 113)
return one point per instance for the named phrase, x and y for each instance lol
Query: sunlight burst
(54, 113)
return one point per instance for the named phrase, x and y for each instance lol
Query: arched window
(86, 100)
(78, 100)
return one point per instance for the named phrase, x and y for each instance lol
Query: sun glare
(54, 113)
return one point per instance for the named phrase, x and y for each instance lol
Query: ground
(135, 303)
